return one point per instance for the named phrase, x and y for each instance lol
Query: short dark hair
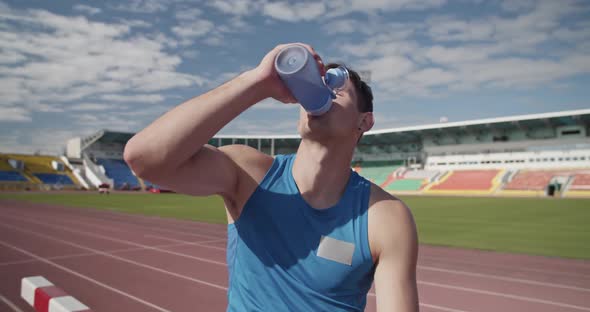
(363, 91)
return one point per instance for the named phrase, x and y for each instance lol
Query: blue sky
(71, 68)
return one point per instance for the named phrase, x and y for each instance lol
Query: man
(305, 232)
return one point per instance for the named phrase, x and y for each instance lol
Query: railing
(95, 173)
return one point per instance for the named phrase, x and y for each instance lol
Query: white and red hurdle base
(46, 297)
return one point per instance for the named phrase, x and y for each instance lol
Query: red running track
(120, 262)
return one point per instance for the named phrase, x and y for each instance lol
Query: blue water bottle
(299, 71)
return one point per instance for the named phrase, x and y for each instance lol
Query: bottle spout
(336, 77)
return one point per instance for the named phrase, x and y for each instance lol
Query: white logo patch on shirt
(336, 250)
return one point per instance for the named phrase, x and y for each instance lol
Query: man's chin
(315, 131)
(313, 118)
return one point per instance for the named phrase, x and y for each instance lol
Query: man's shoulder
(251, 166)
(250, 161)
(390, 220)
(381, 198)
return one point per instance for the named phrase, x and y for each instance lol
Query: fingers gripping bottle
(299, 71)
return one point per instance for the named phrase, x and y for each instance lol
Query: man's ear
(367, 122)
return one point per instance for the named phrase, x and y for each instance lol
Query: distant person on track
(104, 188)
(305, 233)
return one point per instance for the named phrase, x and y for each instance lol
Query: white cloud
(234, 24)
(87, 9)
(188, 13)
(190, 54)
(55, 59)
(265, 126)
(342, 26)
(135, 23)
(10, 142)
(142, 6)
(344, 7)
(388, 67)
(4, 7)
(517, 5)
(46, 141)
(350, 26)
(139, 98)
(294, 12)
(431, 77)
(235, 7)
(14, 114)
(161, 80)
(447, 56)
(107, 120)
(508, 51)
(305, 11)
(11, 57)
(214, 40)
(272, 104)
(92, 107)
(150, 112)
(45, 108)
(395, 41)
(451, 29)
(193, 29)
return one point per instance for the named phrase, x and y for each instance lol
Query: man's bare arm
(397, 252)
(172, 151)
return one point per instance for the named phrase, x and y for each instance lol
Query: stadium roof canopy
(411, 133)
(107, 137)
(554, 119)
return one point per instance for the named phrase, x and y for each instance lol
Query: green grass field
(550, 227)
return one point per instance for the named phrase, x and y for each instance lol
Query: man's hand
(267, 73)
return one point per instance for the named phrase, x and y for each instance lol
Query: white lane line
(119, 241)
(201, 244)
(110, 215)
(482, 275)
(152, 228)
(118, 291)
(433, 284)
(525, 281)
(115, 257)
(432, 306)
(174, 274)
(85, 254)
(493, 293)
(523, 298)
(200, 225)
(185, 241)
(495, 266)
(436, 307)
(10, 304)
(501, 278)
(499, 294)
(85, 221)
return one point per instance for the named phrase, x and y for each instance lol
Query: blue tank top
(284, 255)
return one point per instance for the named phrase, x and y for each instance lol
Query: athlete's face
(341, 122)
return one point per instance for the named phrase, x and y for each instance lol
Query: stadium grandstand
(35, 172)
(530, 155)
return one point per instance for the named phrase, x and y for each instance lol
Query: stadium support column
(272, 147)
(218, 142)
(259, 144)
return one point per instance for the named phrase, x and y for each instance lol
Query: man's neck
(321, 172)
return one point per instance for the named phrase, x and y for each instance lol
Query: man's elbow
(135, 159)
